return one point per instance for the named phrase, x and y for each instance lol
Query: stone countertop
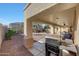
(71, 48)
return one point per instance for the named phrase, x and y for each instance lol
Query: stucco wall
(77, 27)
(1, 34)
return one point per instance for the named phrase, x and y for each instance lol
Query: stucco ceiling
(54, 16)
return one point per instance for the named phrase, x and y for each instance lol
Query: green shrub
(9, 34)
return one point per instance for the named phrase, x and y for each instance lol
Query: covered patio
(57, 15)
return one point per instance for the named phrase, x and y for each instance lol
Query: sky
(11, 12)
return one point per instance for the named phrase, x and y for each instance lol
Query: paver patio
(14, 47)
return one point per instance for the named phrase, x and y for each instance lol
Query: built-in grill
(52, 46)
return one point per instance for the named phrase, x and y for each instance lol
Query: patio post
(28, 39)
(53, 29)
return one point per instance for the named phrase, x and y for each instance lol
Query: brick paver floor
(14, 47)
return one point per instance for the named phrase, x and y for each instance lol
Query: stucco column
(28, 39)
(76, 30)
(51, 29)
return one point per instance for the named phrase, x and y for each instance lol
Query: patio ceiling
(59, 15)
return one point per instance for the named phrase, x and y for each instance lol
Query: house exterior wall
(76, 41)
(18, 26)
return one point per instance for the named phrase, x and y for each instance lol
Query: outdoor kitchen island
(59, 47)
